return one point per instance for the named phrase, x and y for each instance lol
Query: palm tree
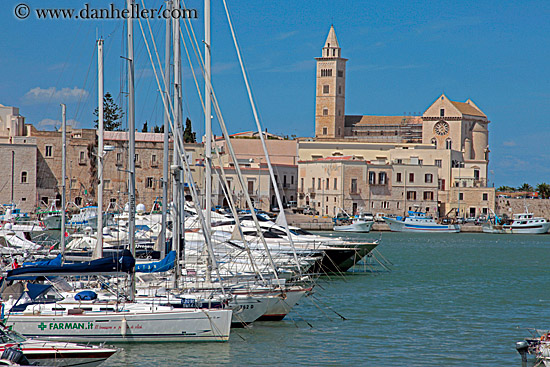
(544, 190)
(525, 188)
(505, 189)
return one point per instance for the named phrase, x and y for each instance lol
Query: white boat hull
(401, 226)
(46, 353)
(359, 226)
(167, 326)
(541, 228)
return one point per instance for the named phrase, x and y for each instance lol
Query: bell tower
(330, 93)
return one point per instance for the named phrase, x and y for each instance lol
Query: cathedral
(451, 137)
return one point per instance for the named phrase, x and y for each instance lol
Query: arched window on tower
(434, 142)
(448, 144)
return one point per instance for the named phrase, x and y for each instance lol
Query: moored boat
(419, 222)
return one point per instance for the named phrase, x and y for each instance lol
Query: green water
(450, 300)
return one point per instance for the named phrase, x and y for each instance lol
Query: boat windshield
(10, 336)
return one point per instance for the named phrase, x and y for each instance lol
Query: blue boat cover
(163, 265)
(107, 265)
(85, 296)
(53, 262)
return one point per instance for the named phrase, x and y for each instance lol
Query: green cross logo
(42, 326)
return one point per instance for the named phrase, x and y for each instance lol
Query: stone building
(349, 184)
(82, 181)
(18, 181)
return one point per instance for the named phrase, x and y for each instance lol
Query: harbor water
(449, 300)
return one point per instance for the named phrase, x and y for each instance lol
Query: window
(327, 184)
(326, 89)
(106, 184)
(428, 178)
(476, 174)
(399, 161)
(302, 183)
(154, 160)
(326, 72)
(136, 158)
(324, 131)
(411, 177)
(78, 200)
(313, 182)
(319, 183)
(382, 178)
(398, 177)
(24, 177)
(49, 151)
(353, 186)
(372, 178)
(485, 196)
(434, 142)
(112, 200)
(448, 144)
(291, 181)
(460, 196)
(442, 112)
(149, 183)
(251, 187)
(82, 157)
(411, 195)
(335, 184)
(284, 180)
(420, 162)
(438, 163)
(428, 195)
(325, 111)
(340, 73)
(339, 89)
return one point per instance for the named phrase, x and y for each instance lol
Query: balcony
(311, 190)
(355, 191)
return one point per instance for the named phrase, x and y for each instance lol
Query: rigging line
(233, 156)
(180, 148)
(282, 214)
(77, 116)
(63, 69)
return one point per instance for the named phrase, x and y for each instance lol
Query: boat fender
(123, 327)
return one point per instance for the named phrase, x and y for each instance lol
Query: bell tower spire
(331, 90)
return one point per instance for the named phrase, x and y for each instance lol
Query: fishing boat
(522, 223)
(49, 353)
(419, 222)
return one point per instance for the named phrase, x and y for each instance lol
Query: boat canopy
(107, 265)
(156, 267)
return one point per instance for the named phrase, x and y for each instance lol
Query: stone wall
(539, 207)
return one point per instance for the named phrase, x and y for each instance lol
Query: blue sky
(402, 56)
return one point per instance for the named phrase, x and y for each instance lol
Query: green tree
(112, 114)
(506, 189)
(544, 190)
(157, 129)
(525, 187)
(188, 134)
(144, 129)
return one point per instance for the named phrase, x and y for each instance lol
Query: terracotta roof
(467, 109)
(380, 120)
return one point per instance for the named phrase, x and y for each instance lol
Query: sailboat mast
(207, 129)
(63, 174)
(176, 191)
(98, 251)
(131, 146)
(166, 131)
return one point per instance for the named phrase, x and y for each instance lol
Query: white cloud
(51, 124)
(39, 95)
(509, 143)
